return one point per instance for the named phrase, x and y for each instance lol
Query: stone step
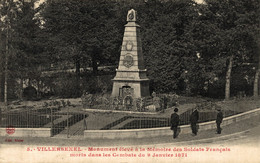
(116, 127)
(56, 121)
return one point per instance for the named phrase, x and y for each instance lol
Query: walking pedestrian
(219, 120)
(194, 120)
(175, 122)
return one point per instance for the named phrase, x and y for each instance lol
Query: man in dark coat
(194, 120)
(219, 121)
(175, 122)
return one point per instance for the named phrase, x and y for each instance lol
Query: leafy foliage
(87, 32)
(186, 45)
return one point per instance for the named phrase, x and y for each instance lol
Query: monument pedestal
(134, 88)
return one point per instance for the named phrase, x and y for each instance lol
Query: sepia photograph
(129, 81)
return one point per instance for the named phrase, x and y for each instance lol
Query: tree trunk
(77, 63)
(1, 85)
(228, 77)
(6, 55)
(6, 65)
(256, 82)
(21, 89)
(38, 89)
(94, 64)
(257, 74)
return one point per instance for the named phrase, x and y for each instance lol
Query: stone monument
(131, 81)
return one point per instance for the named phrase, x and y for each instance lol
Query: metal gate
(69, 125)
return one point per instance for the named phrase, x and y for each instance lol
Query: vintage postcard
(129, 81)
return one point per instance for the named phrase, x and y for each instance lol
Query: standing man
(194, 120)
(175, 122)
(219, 120)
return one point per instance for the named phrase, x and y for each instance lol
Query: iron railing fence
(137, 122)
(68, 123)
(72, 124)
(28, 118)
(61, 121)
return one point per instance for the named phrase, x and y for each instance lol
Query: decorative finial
(131, 16)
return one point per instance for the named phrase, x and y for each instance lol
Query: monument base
(134, 88)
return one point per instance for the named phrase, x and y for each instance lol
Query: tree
(167, 42)
(20, 33)
(82, 31)
(28, 44)
(7, 13)
(233, 23)
(256, 35)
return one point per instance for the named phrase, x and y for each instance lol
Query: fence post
(0, 116)
(68, 122)
(51, 122)
(140, 123)
(164, 104)
(85, 122)
(27, 116)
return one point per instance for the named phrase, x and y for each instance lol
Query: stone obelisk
(131, 79)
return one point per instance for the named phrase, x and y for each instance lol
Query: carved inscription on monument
(129, 45)
(128, 60)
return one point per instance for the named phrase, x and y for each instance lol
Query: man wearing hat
(175, 122)
(194, 120)
(219, 120)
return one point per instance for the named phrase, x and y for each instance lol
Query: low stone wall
(27, 132)
(163, 131)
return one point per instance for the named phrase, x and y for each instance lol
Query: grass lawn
(240, 105)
